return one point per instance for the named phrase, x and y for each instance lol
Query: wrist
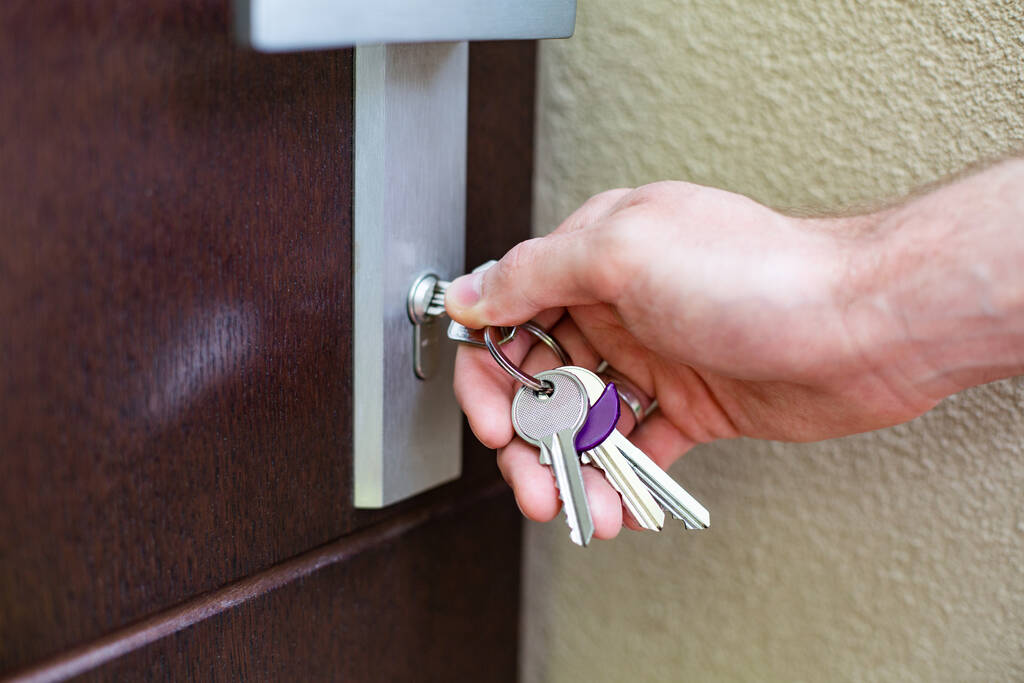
(936, 298)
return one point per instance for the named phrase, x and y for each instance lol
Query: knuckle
(513, 267)
(517, 258)
(593, 210)
(661, 192)
(494, 278)
(611, 257)
(646, 194)
(510, 275)
(608, 197)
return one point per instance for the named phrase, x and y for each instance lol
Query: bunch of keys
(563, 424)
(570, 415)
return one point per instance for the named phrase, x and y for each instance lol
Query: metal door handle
(292, 25)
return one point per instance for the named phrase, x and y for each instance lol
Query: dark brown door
(175, 365)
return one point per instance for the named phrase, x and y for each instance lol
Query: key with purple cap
(662, 487)
(600, 424)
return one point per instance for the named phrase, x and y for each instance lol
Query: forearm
(941, 285)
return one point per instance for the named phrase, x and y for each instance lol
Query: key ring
(543, 387)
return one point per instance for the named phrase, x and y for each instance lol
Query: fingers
(605, 504)
(530, 481)
(572, 341)
(569, 268)
(537, 496)
(485, 391)
(533, 484)
(522, 283)
(629, 522)
(477, 299)
(466, 301)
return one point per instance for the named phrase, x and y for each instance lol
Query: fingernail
(465, 291)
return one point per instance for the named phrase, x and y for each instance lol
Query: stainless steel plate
(410, 209)
(291, 25)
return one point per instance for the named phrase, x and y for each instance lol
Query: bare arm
(939, 295)
(743, 321)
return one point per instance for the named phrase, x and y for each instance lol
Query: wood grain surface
(175, 380)
(176, 389)
(439, 603)
(471, 585)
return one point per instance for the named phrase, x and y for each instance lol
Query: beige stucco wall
(897, 555)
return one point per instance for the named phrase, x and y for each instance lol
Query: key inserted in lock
(425, 306)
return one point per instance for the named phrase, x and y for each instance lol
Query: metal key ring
(508, 366)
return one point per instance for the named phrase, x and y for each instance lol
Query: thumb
(538, 274)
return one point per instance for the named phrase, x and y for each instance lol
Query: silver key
(671, 495)
(551, 423)
(617, 470)
(458, 332)
(664, 488)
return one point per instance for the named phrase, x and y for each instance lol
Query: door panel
(438, 604)
(176, 344)
(176, 288)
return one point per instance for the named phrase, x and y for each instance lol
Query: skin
(746, 322)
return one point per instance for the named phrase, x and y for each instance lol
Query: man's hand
(738, 319)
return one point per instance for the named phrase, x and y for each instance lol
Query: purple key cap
(601, 420)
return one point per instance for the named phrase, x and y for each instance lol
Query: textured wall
(897, 555)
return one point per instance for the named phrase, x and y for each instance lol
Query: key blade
(669, 493)
(462, 334)
(635, 494)
(569, 480)
(672, 504)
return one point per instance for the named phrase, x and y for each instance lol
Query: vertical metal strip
(410, 204)
(368, 257)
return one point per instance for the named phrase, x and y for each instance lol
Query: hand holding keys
(557, 408)
(570, 415)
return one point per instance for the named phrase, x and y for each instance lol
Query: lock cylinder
(426, 298)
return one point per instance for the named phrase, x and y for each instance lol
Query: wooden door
(175, 365)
